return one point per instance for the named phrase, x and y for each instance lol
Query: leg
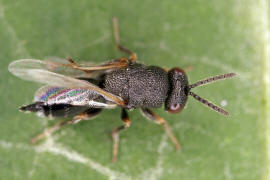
(133, 55)
(159, 120)
(88, 114)
(115, 133)
(117, 63)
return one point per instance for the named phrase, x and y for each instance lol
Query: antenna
(207, 81)
(209, 104)
(211, 80)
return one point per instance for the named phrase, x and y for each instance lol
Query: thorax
(139, 85)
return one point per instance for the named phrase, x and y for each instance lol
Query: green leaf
(213, 37)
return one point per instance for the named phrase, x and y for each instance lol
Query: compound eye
(175, 108)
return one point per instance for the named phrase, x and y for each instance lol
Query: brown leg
(88, 114)
(115, 134)
(117, 63)
(159, 120)
(166, 69)
(133, 56)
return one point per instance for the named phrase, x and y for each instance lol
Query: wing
(76, 97)
(62, 66)
(69, 68)
(57, 65)
(39, 71)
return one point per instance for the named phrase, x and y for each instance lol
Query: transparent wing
(39, 71)
(55, 65)
(78, 97)
(65, 67)
(62, 66)
(64, 61)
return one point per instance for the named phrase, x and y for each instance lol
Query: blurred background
(212, 36)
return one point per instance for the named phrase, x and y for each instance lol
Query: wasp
(82, 91)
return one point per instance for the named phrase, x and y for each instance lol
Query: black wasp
(81, 92)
